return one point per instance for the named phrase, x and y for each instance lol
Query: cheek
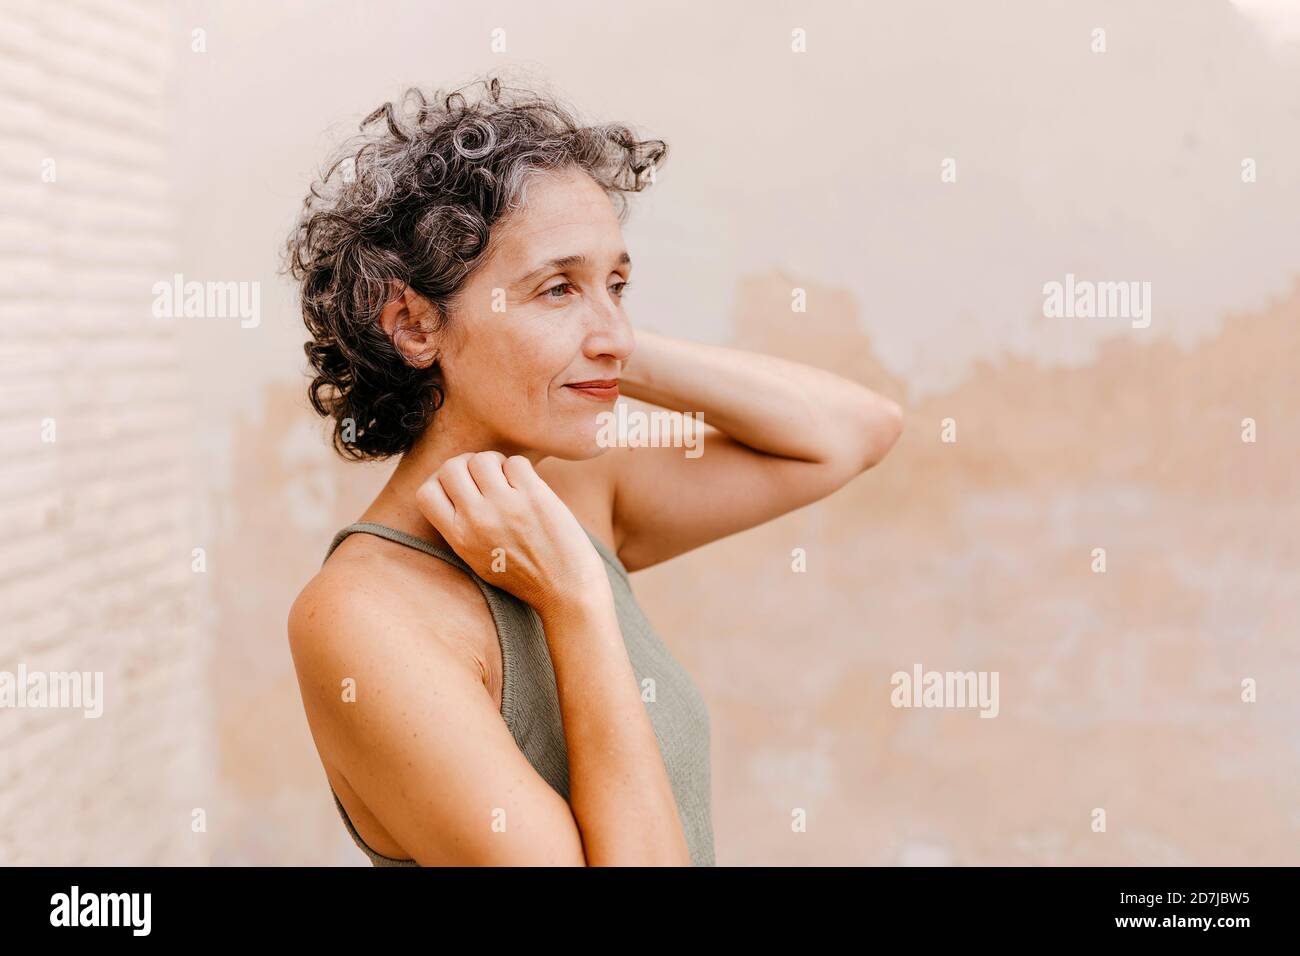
(515, 371)
(540, 364)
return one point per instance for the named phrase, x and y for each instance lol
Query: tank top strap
(509, 614)
(401, 537)
(519, 632)
(530, 702)
(451, 557)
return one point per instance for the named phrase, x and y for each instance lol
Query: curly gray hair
(410, 201)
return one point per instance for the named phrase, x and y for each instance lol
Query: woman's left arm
(777, 435)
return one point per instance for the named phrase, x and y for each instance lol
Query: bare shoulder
(389, 585)
(420, 747)
(377, 606)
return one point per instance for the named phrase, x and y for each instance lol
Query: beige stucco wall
(821, 171)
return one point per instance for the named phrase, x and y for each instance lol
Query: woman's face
(526, 327)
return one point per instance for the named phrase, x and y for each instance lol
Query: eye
(621, 287)
(564, 286)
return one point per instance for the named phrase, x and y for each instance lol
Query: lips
(601, 389)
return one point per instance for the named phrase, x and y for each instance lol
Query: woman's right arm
(419, 738)
(424, 746)
(619, 790)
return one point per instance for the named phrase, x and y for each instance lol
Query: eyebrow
(559, 264)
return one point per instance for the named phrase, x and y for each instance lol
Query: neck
(395, 504)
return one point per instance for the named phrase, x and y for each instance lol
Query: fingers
(457, 482)
(518, 470)
(431, 498)
(468, 478)
(485, 467)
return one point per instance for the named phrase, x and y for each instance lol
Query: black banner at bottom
(230, 904)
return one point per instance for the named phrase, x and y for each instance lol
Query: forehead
(564, 213)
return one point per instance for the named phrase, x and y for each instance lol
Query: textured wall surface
(1119, 691)
(98, 477)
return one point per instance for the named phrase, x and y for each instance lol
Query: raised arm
(777, 435)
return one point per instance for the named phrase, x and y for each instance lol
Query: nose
(610, 331)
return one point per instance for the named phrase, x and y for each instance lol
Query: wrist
(578, 603)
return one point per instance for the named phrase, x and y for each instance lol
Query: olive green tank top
(531, 707)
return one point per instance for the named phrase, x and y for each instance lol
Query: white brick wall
(95, 527)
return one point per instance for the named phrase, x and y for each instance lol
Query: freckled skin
(782, 435)
(505, 371)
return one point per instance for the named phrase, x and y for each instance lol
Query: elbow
(880, 431)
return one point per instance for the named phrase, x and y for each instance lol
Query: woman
(480, 683)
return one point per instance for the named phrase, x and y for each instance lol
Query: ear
(408, 320)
